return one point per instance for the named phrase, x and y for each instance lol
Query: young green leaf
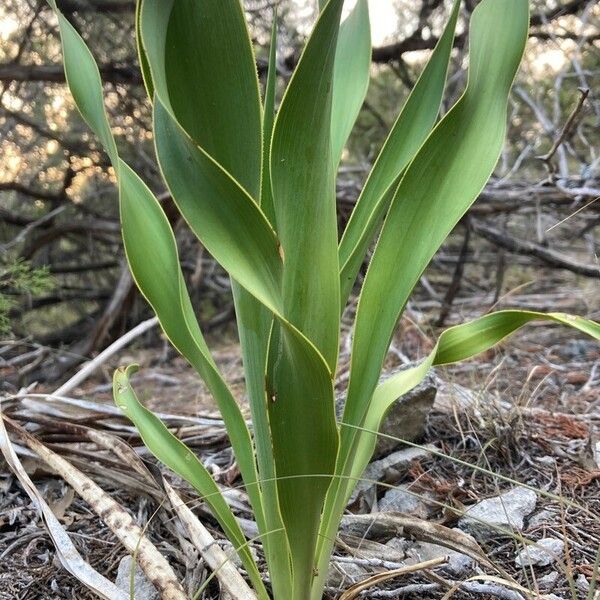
(350, 75)
(181, 460)
(408, 133)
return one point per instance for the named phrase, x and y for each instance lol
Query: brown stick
(568, 126)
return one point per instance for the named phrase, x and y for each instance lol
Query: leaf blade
(409, 131)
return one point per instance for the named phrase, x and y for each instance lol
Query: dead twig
(152, 562)
(65, 550)
(229, 577)
(353, 591)
(568, 126)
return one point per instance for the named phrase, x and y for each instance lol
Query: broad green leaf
(219, 211)
(410, 130)
(204, 71)
(350, 75)
(152, 252)
(181, 460)
(305, 440)
(439, 186)
(303, 182)
(302, 416)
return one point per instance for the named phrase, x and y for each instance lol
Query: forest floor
(526, 413)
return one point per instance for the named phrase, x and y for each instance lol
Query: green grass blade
(181, 460)
(350, 75)
(302, 175)
(410, 130)
(439, 186)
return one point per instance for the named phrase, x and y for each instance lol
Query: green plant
(258, 189)
(19, 278)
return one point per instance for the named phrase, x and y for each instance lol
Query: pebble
(545, 552)
(401, 499)
(142, 588)
(485, 519)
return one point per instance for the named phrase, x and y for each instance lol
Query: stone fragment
(142, 588)
(458, 564)
(402, 499)
(406, 417)
(541, 554)
(541, 518)
(547, 582)
(487, 518)
(389, 470)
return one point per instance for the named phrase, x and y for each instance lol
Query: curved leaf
(439, 186)
(350, 75)
(181, 460)
(152, 254)
(410, 130)
(219, 211)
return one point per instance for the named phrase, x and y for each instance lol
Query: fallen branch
(65, 549)
(550, 257)
(120, 522)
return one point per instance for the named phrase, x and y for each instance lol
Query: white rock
(401, 499)
(582, 583)
(543, 553)
(457, 563)
(541, 518)
(547, 582)
(507, 511)
(142, 588)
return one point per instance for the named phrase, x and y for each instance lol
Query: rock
(406, 417)
(582, 584)
(541, 554)
(401, 499)
(458, 564)
(547, 582)
(342, 574)
(542, 518)
(389, 469)
(142, 588)
(507, 511)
